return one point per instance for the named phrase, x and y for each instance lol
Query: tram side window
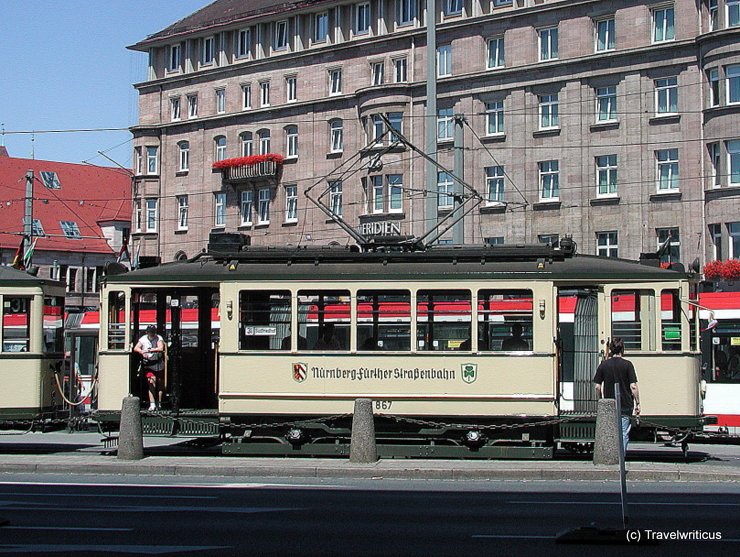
(505, 320)
(726, 354)
(632, 315)
(670, 320)
(53, 324)
(264, 320)
(16, 324)
(116, 320)
(324, 319)
(383, 320)
(443, 319)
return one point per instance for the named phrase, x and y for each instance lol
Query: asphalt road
(348, 518)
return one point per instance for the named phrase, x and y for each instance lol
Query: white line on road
(512, 537)
(68, 528)
(18, 506)
(107, 495)
(610, 503)
(133, 549)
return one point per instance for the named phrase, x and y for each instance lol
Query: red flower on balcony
(730, 269)
(248, 161)
(713, 270)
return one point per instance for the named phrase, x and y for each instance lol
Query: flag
(18, 258)
(123, 254)
(29, 254)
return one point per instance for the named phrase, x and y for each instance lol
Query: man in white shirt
(151, 349)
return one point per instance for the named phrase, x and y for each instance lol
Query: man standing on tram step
(151, 349)
(617, 369)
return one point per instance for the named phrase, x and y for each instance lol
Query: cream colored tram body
(31, 349)
(488, 351)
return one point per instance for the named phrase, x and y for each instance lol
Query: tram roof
(13, 277)
(345, 265)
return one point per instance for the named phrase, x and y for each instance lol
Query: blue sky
(66, 67)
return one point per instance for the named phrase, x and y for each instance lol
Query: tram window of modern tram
(16, 324)
(264, 319)
(324, 319)
(505, 320)
(384, 320)
(443, 320)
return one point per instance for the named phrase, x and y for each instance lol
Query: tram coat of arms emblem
(300, 372)
(469, 372)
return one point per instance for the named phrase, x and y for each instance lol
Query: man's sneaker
(152, 407)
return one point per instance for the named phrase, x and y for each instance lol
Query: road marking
(644, 503)
(134, 549)
(108, 495)
(179, 486)
(512, 537)
(18, 506)
(68, 528)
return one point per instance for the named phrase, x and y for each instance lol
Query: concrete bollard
(131, 437)
(362, 448)
(608, 435)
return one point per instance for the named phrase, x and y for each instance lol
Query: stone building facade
(616, 122)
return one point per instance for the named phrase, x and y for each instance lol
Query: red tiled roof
(88, 195)
(222, 12)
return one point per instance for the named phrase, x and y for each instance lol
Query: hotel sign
(380, 228)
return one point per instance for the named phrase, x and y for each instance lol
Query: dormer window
(37, 229)
(173, 58)
(70, 229)
(50, 180)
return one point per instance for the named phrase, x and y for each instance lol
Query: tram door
(578, 335)
(185, 318)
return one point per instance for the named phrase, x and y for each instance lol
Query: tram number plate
(383, 404)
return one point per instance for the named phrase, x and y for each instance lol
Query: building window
(667, 161)
(549, 180)
(70, 229)
(207, 51)
(494, 185)
(399, 70)
(362, 19)
(607, 244)
(246, 207)
(715, 236)
(138, 161)
(494, 240)
(245, 144)
(291, 203)
(377, 71)
(50, 179)
(264, 93)
(606, 104)
(175, 109)
(137, 215)
(666, 96)
(395, 188)
(733, 84)
(495, 118)
(151, 160)
(335, 81)
(549, 111)
(183, 156)
(291, 142)
(36, 228)
(605, 35)
(246, 96)
(733, 228)
(335, 197)
(714, 162)
(669, 245)
(378, 203)
(663, 24)
(496, 52)
(713, 77)
(151, 215)
(549, 239)
(220, 142)
(182, 212)
(378, 129)
(220, 101)
(406, 11)
(192, 106)
(444, 60)
(320, 27)
(606, 175)
(445, 190)
(713, 14)
(173, 58)
(291, 89)
(548, 43)
(264, 136)
(281, 35)
(445, 124)
(395, 119)
(733, 161)
(733, 13)
(453, 7)
(263, 209)
(244, 43)
(336, 131)
(219, 210)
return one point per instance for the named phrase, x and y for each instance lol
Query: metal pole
(622, 471)
(430, 128)
(458, 230)
(28, 216)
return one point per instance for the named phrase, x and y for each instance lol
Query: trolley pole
(458, 230)
(28, 217)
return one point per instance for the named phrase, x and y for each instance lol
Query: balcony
(252, 168)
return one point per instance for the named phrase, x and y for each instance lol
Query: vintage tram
(31, 349)
(481, 351)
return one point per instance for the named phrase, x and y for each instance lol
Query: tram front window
(443, 320)
(264, 320)
(16, 332)
(383, 320)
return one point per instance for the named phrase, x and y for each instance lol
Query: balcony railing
(241, 169)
